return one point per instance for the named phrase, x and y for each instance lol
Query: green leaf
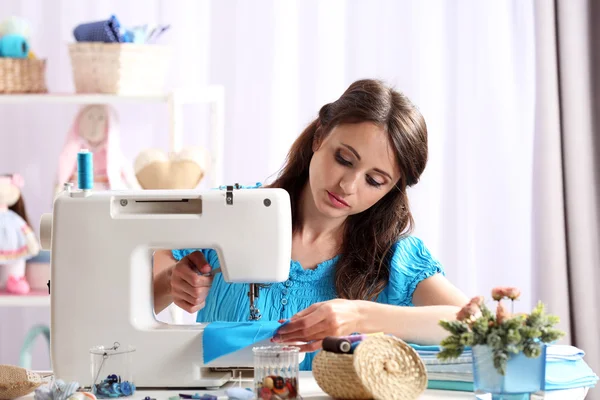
(532, 350)
(467, 339)
(454, 327)
(528, 332)
(494, 340)
(551, 335)
(513, 336)
(500, 361)
(449, 353)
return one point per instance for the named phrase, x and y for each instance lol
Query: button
(285, 291)
(284, 301)
(288, 283)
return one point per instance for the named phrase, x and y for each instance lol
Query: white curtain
(468, 65)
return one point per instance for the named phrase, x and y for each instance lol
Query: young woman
(355, 267)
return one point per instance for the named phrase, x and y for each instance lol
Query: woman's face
(352, 169)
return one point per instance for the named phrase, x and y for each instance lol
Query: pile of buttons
(113, 387)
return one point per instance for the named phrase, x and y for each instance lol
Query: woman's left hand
(330, 318)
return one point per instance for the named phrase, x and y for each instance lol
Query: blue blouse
(410, 264)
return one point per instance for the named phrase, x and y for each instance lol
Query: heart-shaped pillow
(154, 169)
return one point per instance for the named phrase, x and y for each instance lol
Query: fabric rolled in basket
(14, 46)
(381, 367)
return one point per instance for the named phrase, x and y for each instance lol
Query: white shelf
(68, 98)
(29, 300)
(212, 94)
(205, 94)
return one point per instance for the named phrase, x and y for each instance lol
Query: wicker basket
(119, 68)
(22, 75)
(382, 367)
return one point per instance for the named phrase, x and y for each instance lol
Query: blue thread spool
(85, 170)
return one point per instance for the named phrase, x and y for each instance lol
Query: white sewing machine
(101, 281)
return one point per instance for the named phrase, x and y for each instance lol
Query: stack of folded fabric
(565, 369)
(454, 374)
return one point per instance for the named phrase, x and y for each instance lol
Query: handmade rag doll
(17, 240)
(96, 129)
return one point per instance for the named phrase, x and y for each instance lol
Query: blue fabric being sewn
(410, 264)
(221, 338)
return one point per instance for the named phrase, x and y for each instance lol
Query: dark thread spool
(336, 345)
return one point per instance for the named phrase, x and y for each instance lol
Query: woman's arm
(162, 271)
(435, 299)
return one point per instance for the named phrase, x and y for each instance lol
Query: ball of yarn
(15, 26)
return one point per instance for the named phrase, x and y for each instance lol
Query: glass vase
(524, 376)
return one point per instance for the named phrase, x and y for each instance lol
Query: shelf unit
(33, 299)
(175, 100)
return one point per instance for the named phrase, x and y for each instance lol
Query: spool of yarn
(85, 170)
(15, 26)
(14, 46)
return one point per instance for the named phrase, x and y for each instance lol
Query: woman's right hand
(188, 287)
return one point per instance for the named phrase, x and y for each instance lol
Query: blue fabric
(221, 338)
(568, 374)
(228, 302)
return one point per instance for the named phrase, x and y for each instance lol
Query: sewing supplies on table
(114, 363)
(276, 372)
(102, 242)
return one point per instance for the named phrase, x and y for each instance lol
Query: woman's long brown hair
(362, 271)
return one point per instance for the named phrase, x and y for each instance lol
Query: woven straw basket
(382, 367)
(22, 75)
(119, 68)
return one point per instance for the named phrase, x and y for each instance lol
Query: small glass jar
(112, 371)
(276, 372)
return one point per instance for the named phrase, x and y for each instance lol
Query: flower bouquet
(509, 350)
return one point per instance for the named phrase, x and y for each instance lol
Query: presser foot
(253, 294)
(255, 314)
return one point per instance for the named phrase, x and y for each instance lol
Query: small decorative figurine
(17, 240)
(96, 129)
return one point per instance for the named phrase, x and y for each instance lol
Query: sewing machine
(101, 280)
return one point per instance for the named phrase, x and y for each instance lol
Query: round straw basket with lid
(382, 367)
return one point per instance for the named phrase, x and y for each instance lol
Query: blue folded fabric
(221, 338)
(563, 352)
(569, 374)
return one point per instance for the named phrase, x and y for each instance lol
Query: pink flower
(501, 292)
(478, 300)
(513, 293)
(501, 313)
(469, 310)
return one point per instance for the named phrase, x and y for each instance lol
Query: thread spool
(14, 46)
(85, 170)
(336, 345)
